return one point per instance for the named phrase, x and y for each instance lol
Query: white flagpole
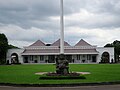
(62, 28)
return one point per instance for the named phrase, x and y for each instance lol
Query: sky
(26, 21)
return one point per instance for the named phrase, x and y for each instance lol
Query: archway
(14, 58)
(105, 57)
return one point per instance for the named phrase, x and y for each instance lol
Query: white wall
(101, 50)
(17, 51)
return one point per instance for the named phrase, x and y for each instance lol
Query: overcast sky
(26, 21)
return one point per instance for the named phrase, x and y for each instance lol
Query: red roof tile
(57, 51)
(82, 43)
(38, 43)
(57, 43)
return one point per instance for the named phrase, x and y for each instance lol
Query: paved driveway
(103, 87)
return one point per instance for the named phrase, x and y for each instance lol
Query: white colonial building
(82, 52)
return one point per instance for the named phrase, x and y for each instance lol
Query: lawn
(25, 74)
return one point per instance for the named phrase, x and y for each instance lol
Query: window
(41, 58)
(83, 56)
(88, 57)
(78, 57)
(31, 58)
(35, 57)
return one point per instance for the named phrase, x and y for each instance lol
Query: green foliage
(116, 45)
(108, 45)
(25, 74)
(61, 77)
(11, 46)
(3, 48)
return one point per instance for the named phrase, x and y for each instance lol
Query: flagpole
(62, 28)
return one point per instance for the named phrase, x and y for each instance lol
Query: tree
(108, 45)
(11, 46)
(116, 45)
(3, 48)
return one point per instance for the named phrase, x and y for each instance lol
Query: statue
(62, 67)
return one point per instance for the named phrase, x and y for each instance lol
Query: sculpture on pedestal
(62, 66)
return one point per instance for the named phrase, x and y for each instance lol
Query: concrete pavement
(101, 87)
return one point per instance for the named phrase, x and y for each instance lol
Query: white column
(62, 29)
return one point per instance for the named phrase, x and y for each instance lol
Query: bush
(69, 74)
(62, 77)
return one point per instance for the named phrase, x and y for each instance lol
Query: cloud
(18, 35)
(23, 13)
(25, 21)
(93, 36)
(86, 13)
(87, 19)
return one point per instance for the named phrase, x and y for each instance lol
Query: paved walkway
(102, 87)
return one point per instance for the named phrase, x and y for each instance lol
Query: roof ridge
(83, 43)
(57, 43)
(38, 43)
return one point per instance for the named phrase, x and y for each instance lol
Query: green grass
(25, 74)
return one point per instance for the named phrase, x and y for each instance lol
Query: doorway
(14, 58)
(105, 57)
(93, 58)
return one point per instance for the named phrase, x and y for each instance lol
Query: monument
(62, 65)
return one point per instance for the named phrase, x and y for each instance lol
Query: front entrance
(26, 59)
(14, 58)
(105, 57)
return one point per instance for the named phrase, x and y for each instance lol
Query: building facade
(82, 52)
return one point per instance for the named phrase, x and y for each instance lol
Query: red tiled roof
(57, 43)
(41, 51)
(50, 51)
(55, 50)
(38, 43)
(82, 43)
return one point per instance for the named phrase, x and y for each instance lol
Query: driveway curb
(60, 85)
